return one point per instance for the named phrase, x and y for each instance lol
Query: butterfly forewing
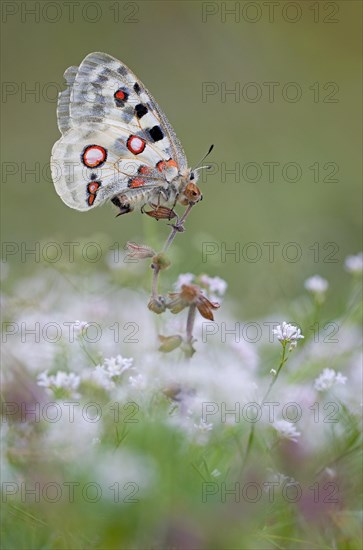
(115, 136)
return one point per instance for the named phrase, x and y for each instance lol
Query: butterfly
(117, 144)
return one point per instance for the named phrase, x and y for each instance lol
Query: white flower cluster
(287, 333)
(67, 381)
(328, 379)
(104, 375)
(286, 430)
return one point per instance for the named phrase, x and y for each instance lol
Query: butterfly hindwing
(98, 153)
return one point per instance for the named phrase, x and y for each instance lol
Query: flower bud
(161, 261)
(169, 343)
(157, 305)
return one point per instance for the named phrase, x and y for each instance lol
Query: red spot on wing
(144, 170)
(164, 164)
(120, 94)
(94, 155)
(136, 144)
(136, 182)
(92, 189)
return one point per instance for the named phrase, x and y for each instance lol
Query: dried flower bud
(169, 343)
(139, 252)
(188, 295)
(161, 261)
(157, 305)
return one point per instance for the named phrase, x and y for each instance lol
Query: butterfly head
(190, 193)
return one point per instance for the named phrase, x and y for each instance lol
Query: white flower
(214, 284)
(329, 378)
(203, 426)
(115, 366)
(316, 284)
(104, 375)
(101, 377)
(184, 279)
(79, 327)
(67, 381)
(138, 382)
(288, 333)
(286, 430)
(215, 473)
(354, 264)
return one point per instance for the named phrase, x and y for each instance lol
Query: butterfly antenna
(201, 160)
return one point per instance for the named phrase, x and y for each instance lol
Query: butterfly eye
(192, 176)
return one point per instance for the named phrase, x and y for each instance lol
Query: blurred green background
(175, 48)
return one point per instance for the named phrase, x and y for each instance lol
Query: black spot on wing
(140, 110)
(137, 88)
(122, 70)
(156, 133)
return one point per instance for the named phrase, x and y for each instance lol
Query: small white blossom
(184, 279)
(288, 333)
(203, 426)
(101, 378)
(138, 382)
(79, 327)
(354, 264)
(215, 285)
(115, 366)
(286, 430)
(67, 381)
(329, 378)
(316, 284)
(215, 473)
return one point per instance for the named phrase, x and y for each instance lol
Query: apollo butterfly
(117, 144)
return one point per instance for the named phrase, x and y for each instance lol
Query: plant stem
(176, 228)
(168, 242)
(273, 381)
(190, 323)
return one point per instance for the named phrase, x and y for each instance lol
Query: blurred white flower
(79, 327)
(203, 426)
(288, 333)
(215, 473)
(286, 430)
(328, 378)
(67, 381)
(215, 285)
(354, 264)
(184, 279)
(316, 284)
(115, 366)
(104, 375)
(138, 382)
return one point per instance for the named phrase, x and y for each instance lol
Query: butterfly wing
(115, 136)
(105, 89)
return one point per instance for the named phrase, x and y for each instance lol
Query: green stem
(272, 383)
